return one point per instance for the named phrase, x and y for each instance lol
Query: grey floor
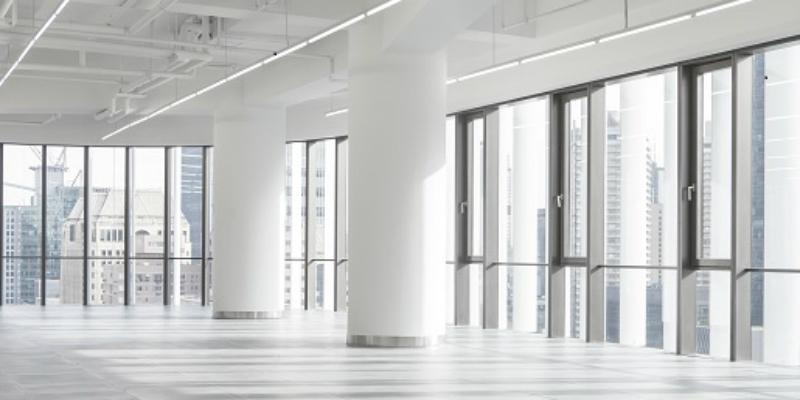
(140, 353)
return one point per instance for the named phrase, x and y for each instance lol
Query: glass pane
(649, 321)
(322, 229)
(577, 131)
(64, 282)
(715, 124)
(22, 280)
(210, 227)
(295, 285)
(325, 280)
(641, 199)
(148, 204)
(209, 285)
(22, 192)
(475, 294)
(65, 220)
(106, 282)
(107, 241)
(525, 297)
(523, 182)
(713, 313)
(148, 282)
(775, 215)
(450, 157)
(295, 225)
(187, 278)
(641, 171)
(575, 302)
(475, 185)
(22, 208)
(186, 203)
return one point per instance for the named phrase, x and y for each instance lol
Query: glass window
(577, 131)
(107, 204)
(148, 241)
(148, 205)
(713, 300)
(22, 208)
(322, 229)
(575, 302)
(715, 101)
(295, 284)
(523, 211)
(640, 201)
(475, 185)
(775, 215)
(65, 224)
(186, 223)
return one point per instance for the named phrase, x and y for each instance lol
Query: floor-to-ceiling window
(65, 225)
(148, 235)
(106, 283)
(775, 216)
(22, 220)
(713, 208)
(523, 202)
(315, 235)
(640, 210)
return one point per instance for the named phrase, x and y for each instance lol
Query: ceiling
(116, 59)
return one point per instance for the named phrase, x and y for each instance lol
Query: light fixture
(601, 40)
(36, 37)
(251, 68)
(721, 7)
(382, 7)
(557, 52)
(489, 71)
(646, 28)
(337, 112)
(337, 28)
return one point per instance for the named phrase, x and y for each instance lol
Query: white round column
(249, 158)
(397, 194)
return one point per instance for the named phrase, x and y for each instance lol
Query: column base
(394, 341)
(247, 314)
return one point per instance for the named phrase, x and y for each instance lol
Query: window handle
(560, 200)
(463, 207)
(690, 192)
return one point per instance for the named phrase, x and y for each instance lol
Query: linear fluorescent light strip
(722, 7)
(488, 71)
(557, 52)
(646, 28)
(337, 28)
(238, 74)
(35, 38)
(382, 7)
(337, 112)
(602, 40)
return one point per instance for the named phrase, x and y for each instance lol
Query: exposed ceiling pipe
(139, 88)
(101, 71)
(48, 121)
(107, 48)
(173, 66)
(22, 74)
(71, 27)
(151, 15)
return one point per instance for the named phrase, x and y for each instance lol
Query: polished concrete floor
(140, 353)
